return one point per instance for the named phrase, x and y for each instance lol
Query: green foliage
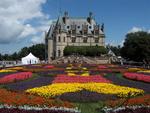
(90, 107)
(85, 50)
(38, 50)
(137, 46)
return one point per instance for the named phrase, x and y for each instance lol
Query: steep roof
(79, 22)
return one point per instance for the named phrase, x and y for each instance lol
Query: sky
(24, 22)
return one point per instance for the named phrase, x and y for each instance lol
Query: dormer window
(81, 32)
(90, 27)
(69, 32)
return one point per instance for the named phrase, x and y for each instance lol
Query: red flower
(15, 77)
(136, 76)
(80, 79)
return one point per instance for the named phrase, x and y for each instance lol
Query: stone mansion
(73, 31)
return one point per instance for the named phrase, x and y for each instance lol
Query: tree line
(38, 50)
(136, 47)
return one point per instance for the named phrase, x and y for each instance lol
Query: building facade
(72, 31)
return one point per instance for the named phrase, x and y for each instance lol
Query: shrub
(85, 50)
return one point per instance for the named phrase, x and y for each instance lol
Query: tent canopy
(30, 59)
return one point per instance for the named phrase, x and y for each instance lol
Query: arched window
(64, 39)
(59, 40)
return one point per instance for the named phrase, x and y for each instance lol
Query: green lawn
(90, 107)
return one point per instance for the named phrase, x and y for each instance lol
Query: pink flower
(102, 67)
(15, 77)
(80, 79)
(49, 66)
(136, 76)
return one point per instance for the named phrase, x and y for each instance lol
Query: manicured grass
(90, 107)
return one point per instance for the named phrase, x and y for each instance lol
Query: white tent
(30, 59)
(110, 52)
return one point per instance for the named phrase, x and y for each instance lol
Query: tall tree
(14, 56)
(38, 50)
(23, 52)
(137, 46)
(0, 56)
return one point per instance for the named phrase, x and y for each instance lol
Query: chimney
(65, 17)
(89, 19)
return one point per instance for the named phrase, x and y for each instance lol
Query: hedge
(85, 50)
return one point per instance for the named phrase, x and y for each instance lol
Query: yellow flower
(68, 68)
(135, 69)
(104, 88)
(146, 71)
(71, 74)
(85, 74)
(84, 68)
(6, 70)
(16, 68)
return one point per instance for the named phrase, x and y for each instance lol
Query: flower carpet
(71, 85)
(137, 76)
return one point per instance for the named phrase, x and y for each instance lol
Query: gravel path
(130, 83)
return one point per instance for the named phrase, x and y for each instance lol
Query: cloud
(9, 30)
(28, 30)
(15, 17)
(122, 43)
(135, 29)
(38, 39)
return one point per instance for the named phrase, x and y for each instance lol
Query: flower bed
(20, 99)
(35, 82)
(31, 110)
(80, 79)
(49, 67)
(51, 73)
(102, 67)
(104, 88)
(36, 70)
(85, 96)
(128, 109)
(7, 70)
(16, 68)
(15, 77)
(75, 70)
(135, 69)
(136, 76)
(141, 100)
(146, 71)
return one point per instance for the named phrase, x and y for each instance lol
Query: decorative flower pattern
(104, 88)
(15, 77)
(137, 76)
